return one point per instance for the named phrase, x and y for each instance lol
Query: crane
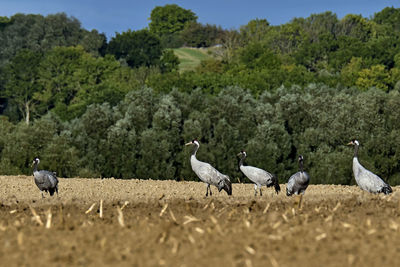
(298, 182)
(45, 180)
(365, 179)
(258, 176)
(207, 173)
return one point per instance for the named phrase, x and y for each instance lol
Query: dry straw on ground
(173, 224)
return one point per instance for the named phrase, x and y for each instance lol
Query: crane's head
(242, 154)
(193, 142)
(35, 161)
(225, 184)
(301, 162)
(353, 142)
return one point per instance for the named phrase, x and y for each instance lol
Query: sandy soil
(168, 223)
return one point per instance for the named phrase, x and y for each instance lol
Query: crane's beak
(239, 154)
(188, 144)
(351, 143)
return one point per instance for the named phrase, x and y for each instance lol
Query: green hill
(190, 58)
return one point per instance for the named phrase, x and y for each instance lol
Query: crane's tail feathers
(275, 184)
(277, 187)
(51, 191)
(225, 184)
(387, 190)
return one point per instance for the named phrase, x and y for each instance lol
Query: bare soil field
(169, 223)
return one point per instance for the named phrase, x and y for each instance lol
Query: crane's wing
(368, 180)
(49, 179)
(210, 175)
(207, 173)
(257, 175)
(291, 185)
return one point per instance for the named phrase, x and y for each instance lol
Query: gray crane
(45, 180)
(207, 173)
(365, 179)
(258, 176)
(298, 182)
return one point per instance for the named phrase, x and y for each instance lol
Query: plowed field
(168, 223)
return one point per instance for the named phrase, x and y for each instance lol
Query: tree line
(122, 108)
(143, 136)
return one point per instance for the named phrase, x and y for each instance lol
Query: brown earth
(168, 223)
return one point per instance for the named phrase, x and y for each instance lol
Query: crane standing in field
(365, 179)
(45, 180)
(207, 173)
(258, 176)
(298, 182)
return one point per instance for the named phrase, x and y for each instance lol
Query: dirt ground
(168, 223)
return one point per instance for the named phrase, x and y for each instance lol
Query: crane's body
(207, 173)
(258, 176)
(365, 179)
(45, 180)
(298, 182)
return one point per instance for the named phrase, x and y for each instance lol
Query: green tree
(355, 26)
(136, 48)
(99, 80)
(317, 25)
(22, 82)
(25, 142)
(254, 31)
(169, 19)
(376, 76)
(389, 16)
(57, 76)
(73, 79)
(169, 61)
(350, 72)
(120, 149)
(4, 21)
(286, 38)
(90, 135)
(346, 48)
(41, 34)
(139, 107)
(257, 55)
(199, 35)
(159, 144)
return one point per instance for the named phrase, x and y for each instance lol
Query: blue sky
(110, 16)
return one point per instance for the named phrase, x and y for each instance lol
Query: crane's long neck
(35, 167)
(241, 161)
(356, 151)
(194, 151)
(301, 165)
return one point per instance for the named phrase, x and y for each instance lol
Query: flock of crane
(297, 184)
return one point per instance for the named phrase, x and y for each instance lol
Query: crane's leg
(41, 191)
(260, 192)
(255, 190)
(300, 199)
(208, 188)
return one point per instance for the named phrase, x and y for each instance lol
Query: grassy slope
(191, 57)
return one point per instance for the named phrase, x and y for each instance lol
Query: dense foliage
(143, 135)
(123, 109)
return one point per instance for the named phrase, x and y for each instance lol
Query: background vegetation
(125, 107)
